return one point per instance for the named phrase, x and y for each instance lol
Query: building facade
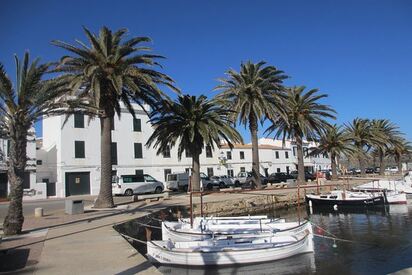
(69, 156)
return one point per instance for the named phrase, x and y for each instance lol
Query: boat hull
(361, 202)
(158, 254)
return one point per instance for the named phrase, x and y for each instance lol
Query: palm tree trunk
(381, 163)
(361, 161)
(399, 162)
(301, 164)
(333, 166)
(253, 126)
(105, 197)
(13, 223)
(195, 180)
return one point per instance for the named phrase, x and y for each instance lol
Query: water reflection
(300, 264)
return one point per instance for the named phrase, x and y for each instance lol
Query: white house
(68, 159)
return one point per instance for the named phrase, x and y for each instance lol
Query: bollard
(166, 195)
(38, 212)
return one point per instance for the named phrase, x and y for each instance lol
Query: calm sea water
(379, 242)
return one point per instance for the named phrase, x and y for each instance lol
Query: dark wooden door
(77, 183)
(3, 185)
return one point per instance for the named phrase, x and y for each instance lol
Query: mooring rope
(134, 239)
(148, 225)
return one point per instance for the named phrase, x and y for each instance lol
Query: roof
(249, 146)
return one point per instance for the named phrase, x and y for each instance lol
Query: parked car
(177, 181)
(244, 179)
(222, 181)
(392, 169)
(308, 176)
(180, 181)
(279, 177)
(370, 170)
(354, 171)
(136, 184)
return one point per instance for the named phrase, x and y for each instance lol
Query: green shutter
(114, 153)
(137, 125)
(78, 121)
(79, 149)
(138, 152)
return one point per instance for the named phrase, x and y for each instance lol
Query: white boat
(234, 221)
(178, 231)
(345, 199)
(229, 251)
(392, 197)
(393, 185)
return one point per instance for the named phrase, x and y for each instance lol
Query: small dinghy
(345, 198)
(178, 231)
(229, 251)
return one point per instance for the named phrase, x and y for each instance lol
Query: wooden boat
(344, 198)
(229, 251)
(392, 197)
(177, 231)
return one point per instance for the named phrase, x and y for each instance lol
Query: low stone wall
(258, 202)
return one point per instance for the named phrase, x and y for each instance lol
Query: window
(139, 172)
(287, 155)
(148, 178)
(8, 148)
(138, 151)
(78, 121)
(209, 151)
(114, 176)
(26, 180)
(133, 178)
(137, 125)
(242, 169)
(167, 172)
(188, 154)
(166, 153)
(228, 155)
(277, 154)
(112, 124)
(287, 169)
(294, 151)
(325, 155)
(242, 155)
(114, 153)
(210, 171)
(230, 172)
(305, 152)
(39, 162)
(278, 170)
(187, 170)
(79, 149)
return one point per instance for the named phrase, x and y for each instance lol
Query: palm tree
(362, 136)
(21, 106)
(335, 142)
(398, 149)
(304, 117)
(191, 123)
(253, 94)
(383, 132)
(106, 73)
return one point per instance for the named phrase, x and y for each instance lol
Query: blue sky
(358, 52)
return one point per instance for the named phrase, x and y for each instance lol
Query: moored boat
(178, 231)
(345, 198)
(229, 251)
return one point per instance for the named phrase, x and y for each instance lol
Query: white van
(136, 184)
(180, 181)
(176, 181)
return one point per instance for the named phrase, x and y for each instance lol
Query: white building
(30, 174)
(69, 158)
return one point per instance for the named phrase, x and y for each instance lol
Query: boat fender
(310, 203)
(334, 245)
(335, 207)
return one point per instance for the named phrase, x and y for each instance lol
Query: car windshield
(149, 178)
(172, 177)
